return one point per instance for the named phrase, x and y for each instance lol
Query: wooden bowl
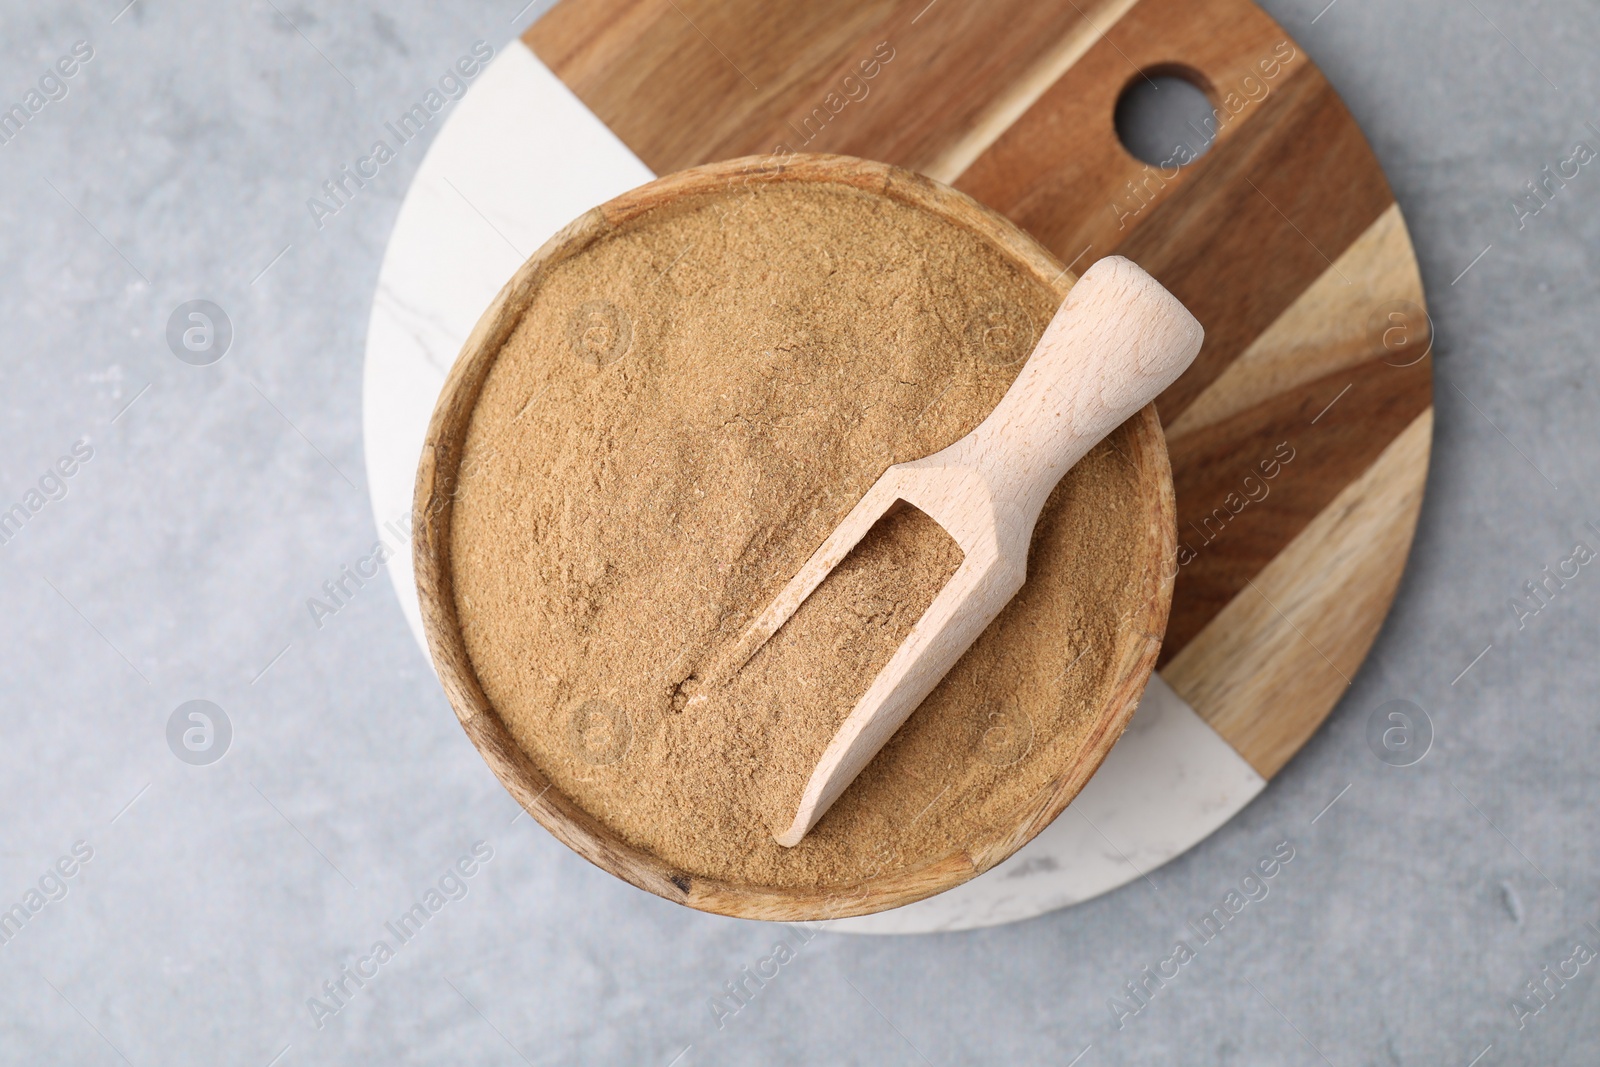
(1138, 637)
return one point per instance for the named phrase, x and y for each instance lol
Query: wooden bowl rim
(1139, 640)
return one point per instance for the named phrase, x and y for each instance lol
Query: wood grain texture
(1331, 326)
(1288, 184)
(1061, 173)
(1248, 484)
(1024, 91)
(1322, 383)
(684, 82)
(1297, 634)
(1133, 658)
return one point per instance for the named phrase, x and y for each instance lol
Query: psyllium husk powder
(685, 411)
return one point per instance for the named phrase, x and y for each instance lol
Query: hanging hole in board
(1164, 117)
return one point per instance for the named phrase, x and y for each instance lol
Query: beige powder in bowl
(686, 408)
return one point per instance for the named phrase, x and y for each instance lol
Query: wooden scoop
(1117, 341)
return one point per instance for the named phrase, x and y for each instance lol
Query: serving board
(1299, 439)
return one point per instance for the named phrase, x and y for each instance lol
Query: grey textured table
(217, 900)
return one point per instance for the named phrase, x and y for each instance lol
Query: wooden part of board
(1278, 465)
(1284, 240)
(684, 82)
(1295, 637)
(1288, 183)
(1331, 326)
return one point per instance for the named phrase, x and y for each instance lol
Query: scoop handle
(1116, 342)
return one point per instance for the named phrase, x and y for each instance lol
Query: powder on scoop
(686, 409)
